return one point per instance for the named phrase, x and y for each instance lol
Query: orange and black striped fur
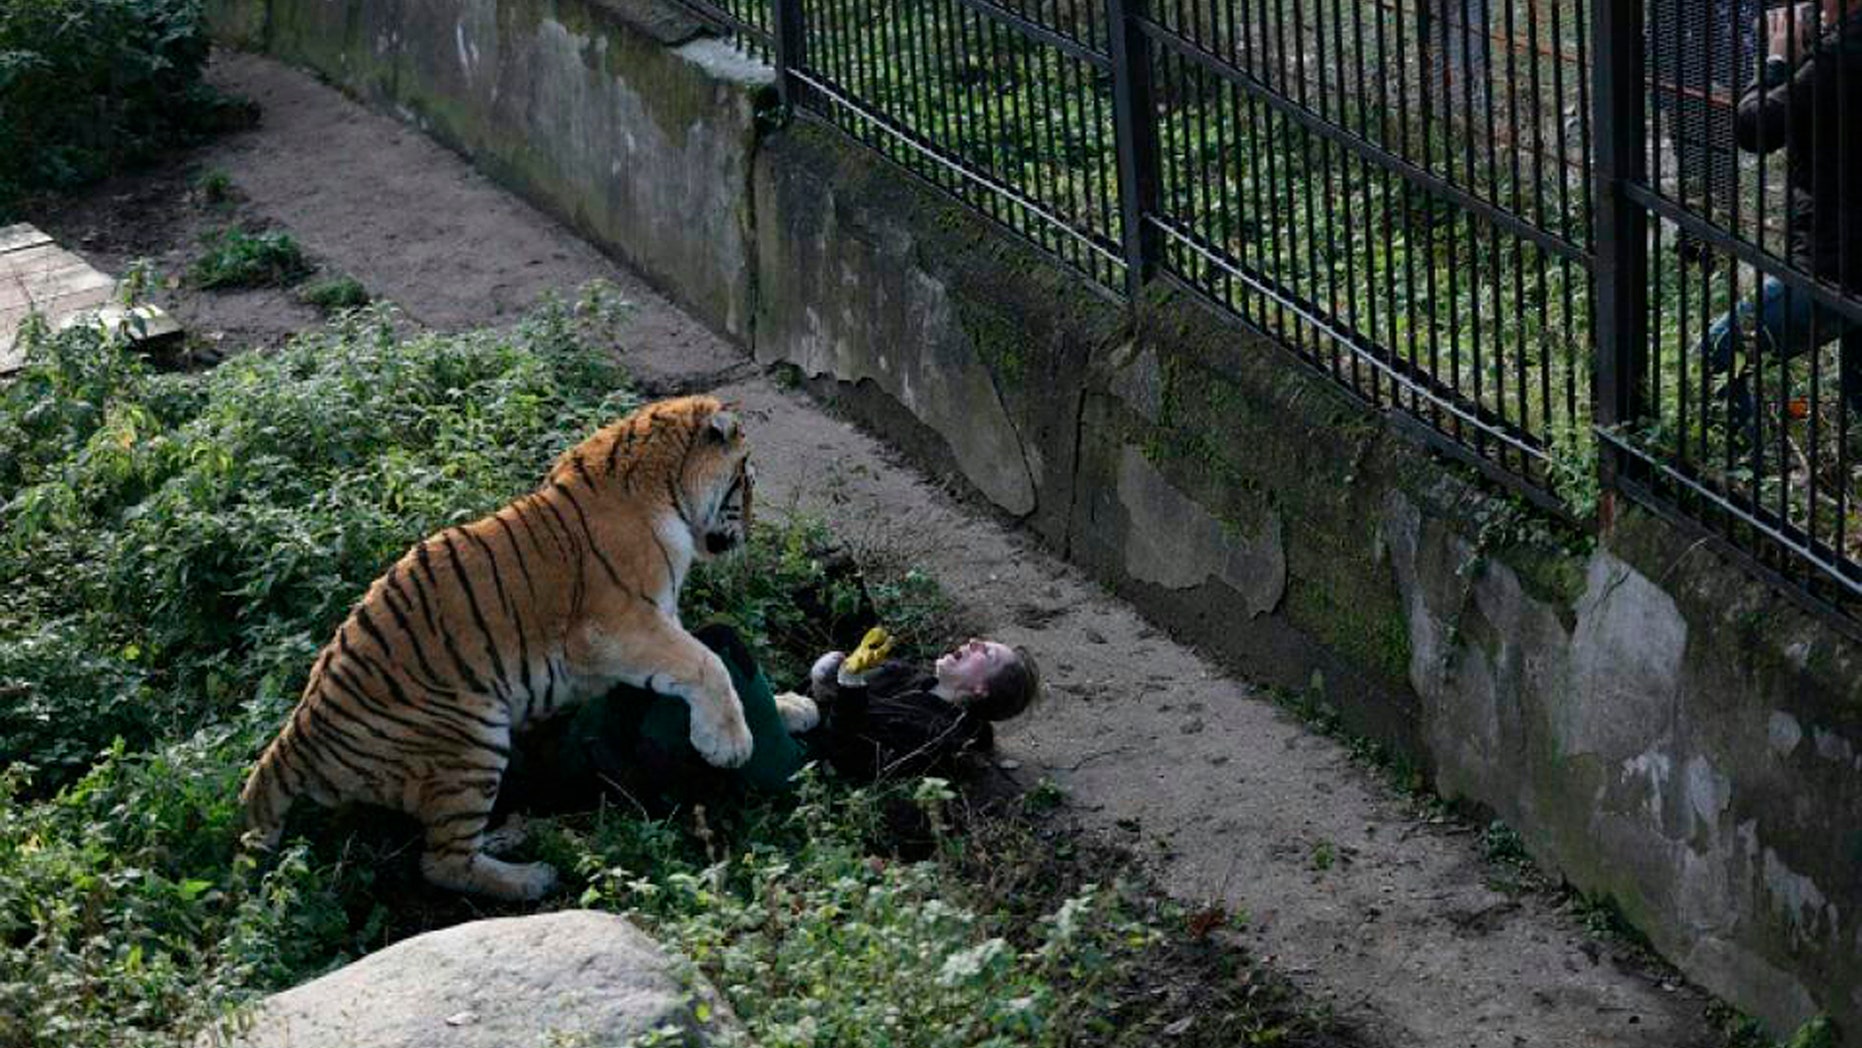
(481, 628)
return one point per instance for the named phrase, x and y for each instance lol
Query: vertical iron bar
(1426, 59)
(1621, 227)
(1567, 343)
(1255, 304)
(1330, 104)
(1405, 148)
(1514, 312)
(953, 122)
(1105, 186)
(791, 50)
(1228, 147)
(1134, 117)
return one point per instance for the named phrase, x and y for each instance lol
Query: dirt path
(1371, 907)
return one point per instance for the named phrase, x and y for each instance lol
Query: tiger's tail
(267, 796)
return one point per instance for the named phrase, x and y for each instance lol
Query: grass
(178, 545)
(234, 258)
(215, 187)
(335, 293)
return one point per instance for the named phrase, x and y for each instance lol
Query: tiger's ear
(723, 426)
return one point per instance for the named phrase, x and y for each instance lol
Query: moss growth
(999, 341)
(1370, 633)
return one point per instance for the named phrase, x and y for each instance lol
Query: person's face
(968, 668)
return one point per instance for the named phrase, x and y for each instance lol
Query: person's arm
(1781, 97)
(842, 698)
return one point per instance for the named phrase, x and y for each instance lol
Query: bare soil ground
(1377, 906)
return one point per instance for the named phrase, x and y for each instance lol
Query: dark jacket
(893, 726)
(1815, 112)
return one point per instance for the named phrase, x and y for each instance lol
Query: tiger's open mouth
(719, 542)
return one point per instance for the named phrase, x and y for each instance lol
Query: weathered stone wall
(1658, 725)
(621, 118)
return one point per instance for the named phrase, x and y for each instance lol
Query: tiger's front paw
(724, 741)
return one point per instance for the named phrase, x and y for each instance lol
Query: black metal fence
(1740, 275)
(1515, 223)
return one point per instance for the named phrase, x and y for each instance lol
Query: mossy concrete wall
(622, 118)
(1659, 725)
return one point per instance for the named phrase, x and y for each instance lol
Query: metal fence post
(1621, 269)
(791, 39)
(1134, 122)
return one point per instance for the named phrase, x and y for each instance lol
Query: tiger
(485, 627)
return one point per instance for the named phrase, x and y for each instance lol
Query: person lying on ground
(870, 718)
(885, 719)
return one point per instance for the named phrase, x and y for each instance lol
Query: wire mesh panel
(1697, 52)
(1399, 190)
(1006, 106)
(1747, 408)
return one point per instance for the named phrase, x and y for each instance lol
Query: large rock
(576, 977)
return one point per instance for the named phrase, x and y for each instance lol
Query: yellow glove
(873, 649)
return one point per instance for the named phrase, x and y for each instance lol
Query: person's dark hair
(1011, 690)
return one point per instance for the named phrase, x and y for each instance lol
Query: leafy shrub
(236, 258)
(87, 86)
(336, 293)
(215, 187)
(172, 540)
(815, 941)
(124, 913)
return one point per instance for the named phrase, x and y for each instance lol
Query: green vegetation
(89, 86)
(1743, 1031)
(335, 293)
(215, 187)
(236, 258)
(1324, 856)
(177, 546)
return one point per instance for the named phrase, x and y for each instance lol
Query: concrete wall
(619, 117)
(1656, 723)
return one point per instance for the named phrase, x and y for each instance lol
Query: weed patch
(215, 187)
(233, 258)
(334, 294)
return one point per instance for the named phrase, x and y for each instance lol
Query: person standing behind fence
(1807, 99)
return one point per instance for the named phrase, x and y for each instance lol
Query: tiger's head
(686, 458)
(718, 481)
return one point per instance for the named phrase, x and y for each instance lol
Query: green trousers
(647, 736)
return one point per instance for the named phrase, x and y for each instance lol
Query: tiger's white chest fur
(558, 684)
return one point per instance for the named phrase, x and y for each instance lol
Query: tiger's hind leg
(456, 857)
(508, 837)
